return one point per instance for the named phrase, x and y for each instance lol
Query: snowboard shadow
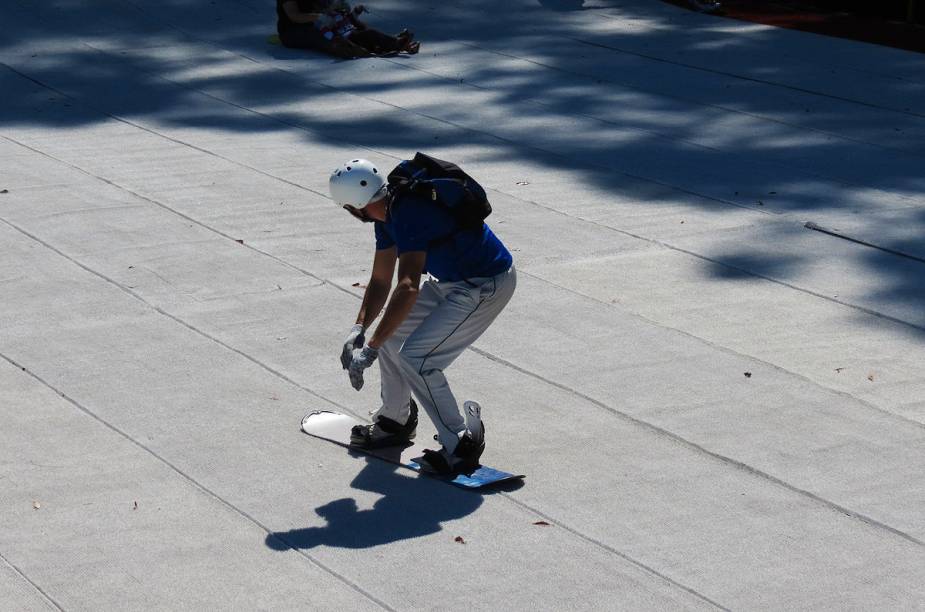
(410, 507)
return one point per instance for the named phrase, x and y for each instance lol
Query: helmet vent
(375, 171)
(349, 168)
(363, 183)
(354, 161)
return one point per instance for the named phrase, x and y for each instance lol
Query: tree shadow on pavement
(658, 105)
(410, 507)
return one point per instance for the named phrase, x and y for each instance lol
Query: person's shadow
(410, 507)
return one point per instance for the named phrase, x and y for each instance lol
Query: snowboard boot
(385, 432)
(465, 457)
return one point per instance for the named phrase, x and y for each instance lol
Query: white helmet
(356, 183)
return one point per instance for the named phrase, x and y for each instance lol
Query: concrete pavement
(715, 406)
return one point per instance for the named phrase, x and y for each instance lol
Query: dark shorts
(304, 38)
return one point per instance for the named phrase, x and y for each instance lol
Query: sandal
(406, 42)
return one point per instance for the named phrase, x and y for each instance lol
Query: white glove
(362, 359)
(355, 339)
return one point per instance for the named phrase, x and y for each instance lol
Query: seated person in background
(332, 27)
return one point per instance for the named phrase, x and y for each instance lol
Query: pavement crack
(284, 377)
(719, 262)
(730, 351)
(863, 309)
(42, 592)
(176, 319)
(730, 461)
(289, 380)
(653, 428)
(869, 311)
(702, 450)
(837, 234)
(506, 140)
(742, 77)
(192, 481)
(603, 545)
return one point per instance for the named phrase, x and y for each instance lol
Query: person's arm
(291, 9)
(380, 283)
(410, 268)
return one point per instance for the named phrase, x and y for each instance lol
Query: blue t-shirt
(417, 224)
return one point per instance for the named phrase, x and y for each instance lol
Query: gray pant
(447, 317)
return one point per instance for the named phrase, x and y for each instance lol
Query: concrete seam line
(216, 230)
(651, 132)
(669, 186)
(594, 223)
(597, 224)
(727, 109)
(746, 78)
(671, 247)
(629, 175)
(638, 422)
(874, 313)
(159, 134)
(734, 463)
(571, 530)
(195, 483)
(514, 56)
(636, 177)
(505, 140)
(284, 377)
(302, 128)
(45, 595)
(837, 234)
(184, 216)
(176, 319)
(529, 509)
(730, 351)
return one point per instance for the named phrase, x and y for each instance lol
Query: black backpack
(443, 183)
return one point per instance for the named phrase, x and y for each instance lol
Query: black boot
(463, 460)
(385, 432)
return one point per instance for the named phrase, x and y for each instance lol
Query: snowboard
(335, 427)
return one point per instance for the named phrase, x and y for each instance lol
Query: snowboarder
(424, 327)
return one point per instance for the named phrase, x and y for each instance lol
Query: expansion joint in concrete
(45, 595)
(741, 77)
(729, 461)
(193, 482)
(730, 351)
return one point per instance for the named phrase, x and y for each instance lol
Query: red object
(797, 15)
